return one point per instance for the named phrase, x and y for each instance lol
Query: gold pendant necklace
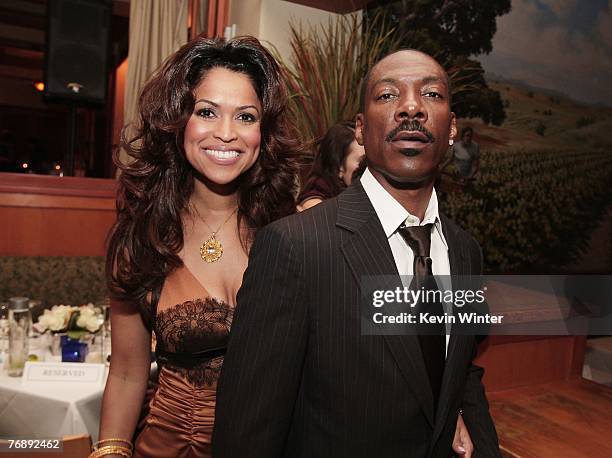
(212, 249)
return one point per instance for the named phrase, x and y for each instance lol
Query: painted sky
(564, 45)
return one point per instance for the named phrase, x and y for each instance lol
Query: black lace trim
(192, 328)
(203, 375)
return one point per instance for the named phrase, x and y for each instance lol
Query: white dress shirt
(392, 215)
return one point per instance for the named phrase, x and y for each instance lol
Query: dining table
(50, 410)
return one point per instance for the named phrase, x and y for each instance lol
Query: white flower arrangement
(90, 318)
(76, 321)
(56, 319)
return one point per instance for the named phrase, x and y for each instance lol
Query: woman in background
(338, 156)
(212, 162)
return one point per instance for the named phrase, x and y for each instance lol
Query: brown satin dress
(192, 330)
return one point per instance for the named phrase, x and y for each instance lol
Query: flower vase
(73, 350)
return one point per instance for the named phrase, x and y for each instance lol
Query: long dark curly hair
(155, 185)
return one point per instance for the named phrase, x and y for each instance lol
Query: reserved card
(51, 372)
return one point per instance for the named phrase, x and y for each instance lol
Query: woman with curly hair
(337, 158)
(212, 162)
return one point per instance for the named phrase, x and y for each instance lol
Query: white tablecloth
(60, 409)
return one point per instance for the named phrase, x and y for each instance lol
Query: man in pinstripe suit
(299, 379)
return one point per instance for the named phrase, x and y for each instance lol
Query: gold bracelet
(111, 450)
(116, 439)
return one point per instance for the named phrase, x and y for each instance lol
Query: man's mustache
(410, 126)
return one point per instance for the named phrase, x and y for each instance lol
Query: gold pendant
(211, 250)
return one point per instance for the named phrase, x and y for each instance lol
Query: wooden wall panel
(516, 361)
(54, 216)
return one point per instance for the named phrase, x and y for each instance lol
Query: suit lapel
(457, 346)
(456, 249)
(458, 266)
(367, 252)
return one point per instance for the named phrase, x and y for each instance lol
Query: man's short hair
(364, 88)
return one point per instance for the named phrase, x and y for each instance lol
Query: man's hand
(462, 443)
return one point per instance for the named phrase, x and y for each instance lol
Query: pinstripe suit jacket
(299, 380)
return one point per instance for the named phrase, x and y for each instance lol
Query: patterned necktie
(432, 343)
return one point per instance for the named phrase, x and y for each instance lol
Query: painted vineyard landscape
(542, 201)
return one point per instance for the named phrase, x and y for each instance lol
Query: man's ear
(453, 127)
(359, 128)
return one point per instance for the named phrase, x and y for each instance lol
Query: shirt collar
(392, 214)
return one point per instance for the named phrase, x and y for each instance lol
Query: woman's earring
(450, 142)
